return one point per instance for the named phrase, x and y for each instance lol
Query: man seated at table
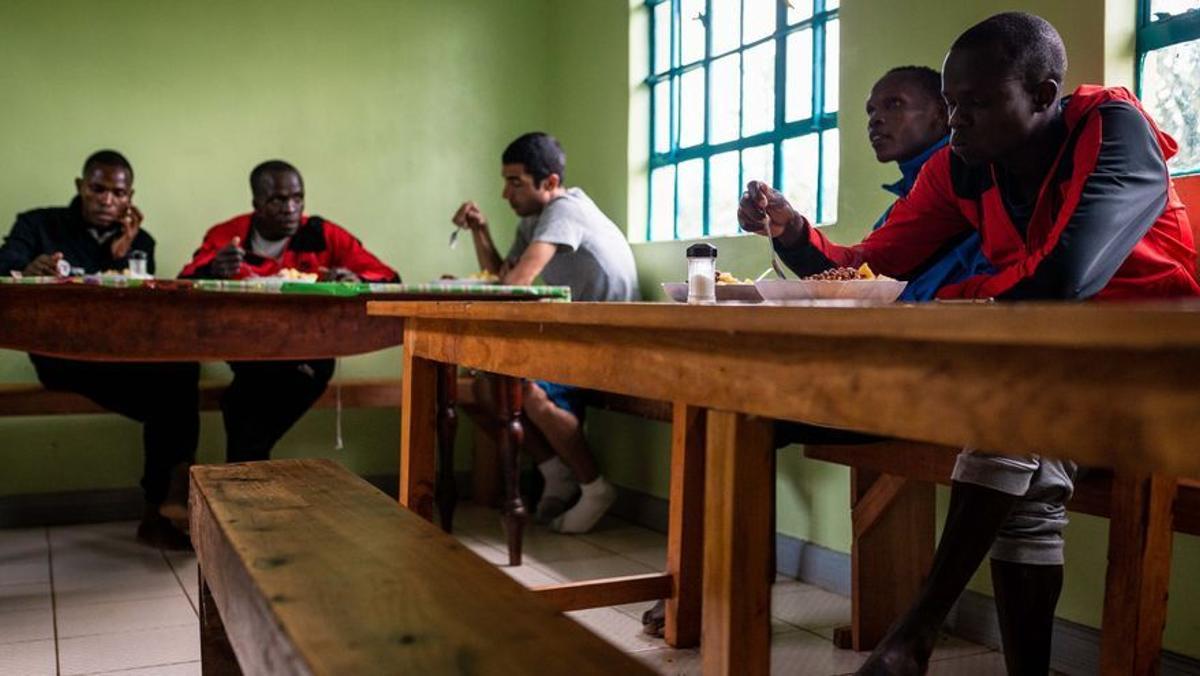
(564, 238)
(267, 397)
(1072, 200)
(96, 232)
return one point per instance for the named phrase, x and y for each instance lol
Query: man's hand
(45, 265)
(339, 275)
(763, 207)
(131, 223)
(470, 217)
(228, 260)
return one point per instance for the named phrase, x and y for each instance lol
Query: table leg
(216, 655)
(446, 491)
(512, 434)
(418, 422)
(1139, 571)
(894, 522)
(685, 531)
(737, 592)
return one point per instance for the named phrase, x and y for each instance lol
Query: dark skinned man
(1072, 200)
(267, 397)
(96, 232)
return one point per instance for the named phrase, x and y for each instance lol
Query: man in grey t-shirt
(564, 238)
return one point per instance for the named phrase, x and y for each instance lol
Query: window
(740, 90)
(1168, 51)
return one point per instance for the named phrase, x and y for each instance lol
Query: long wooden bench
(22, 399)
(307, 569)
(892, 512)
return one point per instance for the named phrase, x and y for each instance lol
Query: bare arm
(530, 264)
(470, 217)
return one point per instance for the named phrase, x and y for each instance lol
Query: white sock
(594, 501)
(560, 482)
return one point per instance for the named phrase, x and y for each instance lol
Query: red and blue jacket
(317, 245)
(1106, 224)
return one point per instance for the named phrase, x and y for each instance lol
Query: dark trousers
(265, 399)
(164, 397)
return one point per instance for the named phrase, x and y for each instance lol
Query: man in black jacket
(97, 231)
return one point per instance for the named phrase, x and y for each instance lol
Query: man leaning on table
(267, 397)
(96, 232)
(565, 239)
(1072, 200)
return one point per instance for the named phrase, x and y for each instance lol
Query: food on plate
(294, 274)
(728, 278)
(484, 276)
(862, 272)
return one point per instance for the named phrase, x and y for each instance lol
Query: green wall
(394, 111)
(397, 111)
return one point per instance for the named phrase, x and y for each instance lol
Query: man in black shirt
(97, 231)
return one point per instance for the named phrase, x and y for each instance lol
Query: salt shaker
(702, 273)
(137, 264)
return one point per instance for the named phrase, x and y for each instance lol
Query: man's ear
(1045, 95)
(79, 185)
(551, 182)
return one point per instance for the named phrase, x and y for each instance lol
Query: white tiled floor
(90, 600)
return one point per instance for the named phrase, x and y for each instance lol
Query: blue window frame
(740, 90)
(1168, 73)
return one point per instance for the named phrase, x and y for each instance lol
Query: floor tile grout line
(130, 669)
(178, 579)
(53, 601)
(131, 631)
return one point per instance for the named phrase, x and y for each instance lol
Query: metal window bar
(819, 122)
(1152, 35)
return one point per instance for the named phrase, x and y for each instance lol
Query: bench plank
(315, 571)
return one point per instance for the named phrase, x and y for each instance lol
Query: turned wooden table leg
(446, 491)
(512, 434)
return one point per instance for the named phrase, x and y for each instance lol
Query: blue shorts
(565, 397)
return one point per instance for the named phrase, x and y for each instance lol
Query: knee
(537, 406)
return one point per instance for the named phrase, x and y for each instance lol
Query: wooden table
(1103, 384)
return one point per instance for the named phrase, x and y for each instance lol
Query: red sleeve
(347, 252)
(917, 227)
(217, 238)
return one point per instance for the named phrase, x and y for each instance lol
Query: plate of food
(729, 288)
(836, 284)
(294, 275)
(473, 279)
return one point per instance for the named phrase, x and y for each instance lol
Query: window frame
(1154, 35)
(817, 123)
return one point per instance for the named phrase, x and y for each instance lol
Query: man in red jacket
(1072, 199)
(267, 397)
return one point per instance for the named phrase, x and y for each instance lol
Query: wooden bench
(893, 519)
(18, 399)
(307, 569)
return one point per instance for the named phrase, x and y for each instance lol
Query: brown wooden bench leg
(511, 437)
(417, 435)
(894, 522)
(685, 532)
(736, 637)
(446, 492)
(216, 655)
(1139, 570)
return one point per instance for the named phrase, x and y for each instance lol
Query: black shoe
(655, 619)
(157, 531)
(175, 506)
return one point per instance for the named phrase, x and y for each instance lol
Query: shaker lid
(702, 250)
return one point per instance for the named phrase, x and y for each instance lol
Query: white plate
(881, 290)
(677, 291)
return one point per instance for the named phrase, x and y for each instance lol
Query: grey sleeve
(1122, 198)
(561, 224)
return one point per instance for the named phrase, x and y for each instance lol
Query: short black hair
(928, 80)
(540, 153)
(107, 158)
(258, 175)
(1029, 44)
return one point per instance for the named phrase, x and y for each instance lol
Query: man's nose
(107, 198)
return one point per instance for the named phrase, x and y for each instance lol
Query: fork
(775, 263)
(454, 238)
